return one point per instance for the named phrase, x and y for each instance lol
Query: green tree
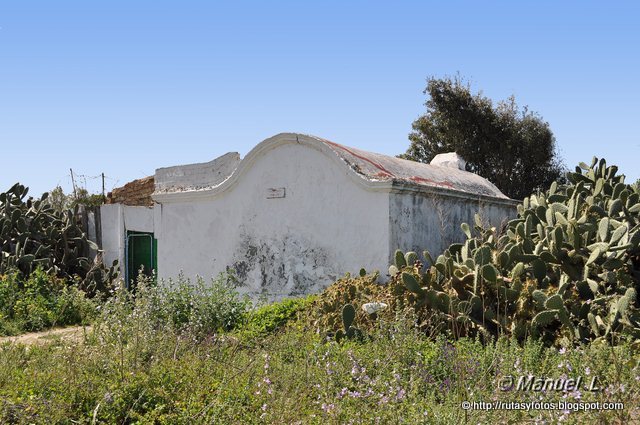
(511, 147)
(61, 201)
(83, 197)
(58, 199)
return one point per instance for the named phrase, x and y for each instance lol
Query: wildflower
(328, 407)
(328, 368)
(267, 357)
(562, 351)
(587, 370)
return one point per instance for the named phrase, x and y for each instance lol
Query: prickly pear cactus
(33, 234)
(327, 310)
(567, 267)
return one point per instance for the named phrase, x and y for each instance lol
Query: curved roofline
(330, 150)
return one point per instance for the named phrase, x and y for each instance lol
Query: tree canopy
(61, 201)
(511, 147)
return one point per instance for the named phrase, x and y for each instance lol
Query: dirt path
(74, 333)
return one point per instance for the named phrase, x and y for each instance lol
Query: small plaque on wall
(275, 192)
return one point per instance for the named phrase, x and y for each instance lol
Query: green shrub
(9, 294)
(40, 301)
(326, 311)
(272, 317)
(199, 308)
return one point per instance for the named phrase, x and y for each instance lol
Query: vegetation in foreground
(41, 301)
(566, 268)
(552, 296)
(33, 234)
(163, 356)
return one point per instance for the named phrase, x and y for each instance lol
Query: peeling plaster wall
(422, 221)
(325, 225)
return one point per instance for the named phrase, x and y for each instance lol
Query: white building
(297, 213)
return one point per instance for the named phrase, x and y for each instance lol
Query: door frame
(129, 234)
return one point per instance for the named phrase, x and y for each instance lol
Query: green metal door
(141, 251)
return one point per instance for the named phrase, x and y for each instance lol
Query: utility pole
(103, 197)
(73, 182)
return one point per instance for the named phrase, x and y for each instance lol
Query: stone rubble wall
(135, 193)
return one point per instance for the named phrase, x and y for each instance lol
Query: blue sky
(125, 87)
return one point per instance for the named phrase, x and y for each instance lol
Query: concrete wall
(431, 221)
(196, 176)
(112, 233)
(324, 226)
(116, 219)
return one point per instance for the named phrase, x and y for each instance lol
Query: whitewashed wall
(325, 225)
(116, 219)
(332, 219)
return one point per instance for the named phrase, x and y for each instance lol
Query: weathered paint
(379, 169)
(196, 176)
(323, 227)
(431, 221)
(299, 211)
